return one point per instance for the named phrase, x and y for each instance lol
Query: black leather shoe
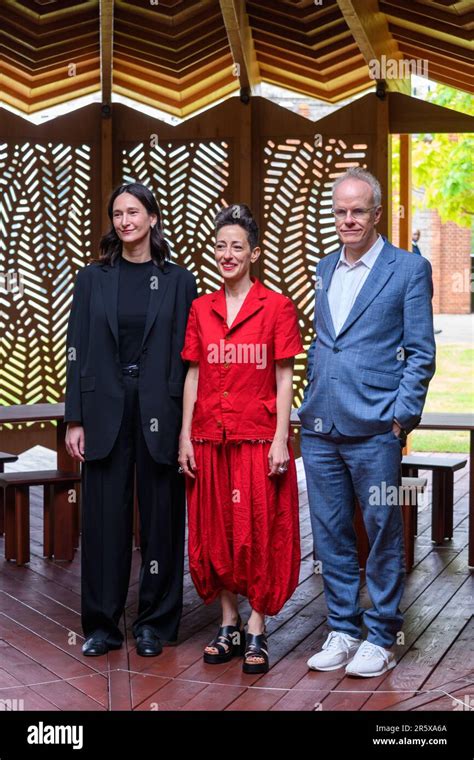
(148, 643)
(94, 647)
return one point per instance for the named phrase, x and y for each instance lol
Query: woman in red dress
(240, 471)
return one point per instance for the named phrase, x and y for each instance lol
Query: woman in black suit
(124, 388)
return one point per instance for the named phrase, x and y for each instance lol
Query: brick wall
(448, 248)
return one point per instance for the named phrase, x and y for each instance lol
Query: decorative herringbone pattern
(190, 181)
(45, 236)
(298, 225)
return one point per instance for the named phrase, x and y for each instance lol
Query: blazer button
(336, 350)
(219, 423)
(225, 394)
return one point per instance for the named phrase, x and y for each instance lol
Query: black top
(133, 297)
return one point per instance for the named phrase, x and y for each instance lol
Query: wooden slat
(40, 607)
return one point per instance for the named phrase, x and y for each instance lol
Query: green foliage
(442, 164)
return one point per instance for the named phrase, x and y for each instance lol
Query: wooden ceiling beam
(311, 54)
(330, 74)
(432, 42)
(30, 104)
(418, 14)
(288, 19)
(308, 38)
(411, 49)
(56, 77)
(215, 41)
(370, 30)
(241, 45)
(327, 93)
(337, 57)
(192, 36)
(218, 70)
(159, 18)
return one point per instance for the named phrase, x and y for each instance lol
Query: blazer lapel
(110, 283)
(158, 290)
(323, 295)
(382, 270)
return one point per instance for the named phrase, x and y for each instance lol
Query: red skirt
(243, 525)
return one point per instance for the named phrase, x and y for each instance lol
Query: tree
(442, 164)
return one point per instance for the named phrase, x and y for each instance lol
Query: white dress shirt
(347, 281)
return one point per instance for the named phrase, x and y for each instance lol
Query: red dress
(243, 525)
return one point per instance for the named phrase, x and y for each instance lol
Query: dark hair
(111, 245)
(239, 214)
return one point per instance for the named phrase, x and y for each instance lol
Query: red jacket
(237, 381)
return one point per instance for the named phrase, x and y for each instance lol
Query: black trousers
(107, 524)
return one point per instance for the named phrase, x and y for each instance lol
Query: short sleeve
(287, 339)
(190, 352)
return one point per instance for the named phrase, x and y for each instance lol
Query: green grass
(451, 390)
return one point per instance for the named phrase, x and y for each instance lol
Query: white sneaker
(337, 650)
(371, 660)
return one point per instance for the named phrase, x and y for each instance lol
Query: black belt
(131, 369)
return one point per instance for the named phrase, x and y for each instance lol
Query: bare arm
(278, 455)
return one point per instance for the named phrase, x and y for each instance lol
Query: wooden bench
(443, 469)
(59, 526)
(4, 459)
(411, 488)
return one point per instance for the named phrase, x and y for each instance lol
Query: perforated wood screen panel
(45, 237)
(191, 181)
(297, 224)
(50, 213)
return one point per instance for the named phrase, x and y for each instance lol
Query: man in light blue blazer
(369, 367)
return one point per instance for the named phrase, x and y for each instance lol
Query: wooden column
(405, 192)
(382, 163)
(106, 63)
(106, 169)
(244, 155)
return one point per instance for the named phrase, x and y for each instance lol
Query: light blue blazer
(379, 366)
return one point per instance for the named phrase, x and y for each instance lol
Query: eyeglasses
(356, 213)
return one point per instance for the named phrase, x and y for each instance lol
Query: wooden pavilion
(95, 92)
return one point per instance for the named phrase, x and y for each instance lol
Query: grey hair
(356, 172)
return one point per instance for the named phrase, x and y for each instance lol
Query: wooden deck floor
(40, 638)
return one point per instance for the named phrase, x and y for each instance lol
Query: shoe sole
(149, 654)
(255, 668)
(101, 654)
(372, 675)
(332, 667)
(219, 659)
(325, 670)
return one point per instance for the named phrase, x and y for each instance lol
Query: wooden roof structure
(183, 55)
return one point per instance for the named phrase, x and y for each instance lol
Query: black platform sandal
(229, 642)
(256, 647)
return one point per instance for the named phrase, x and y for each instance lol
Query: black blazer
(94, 381)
